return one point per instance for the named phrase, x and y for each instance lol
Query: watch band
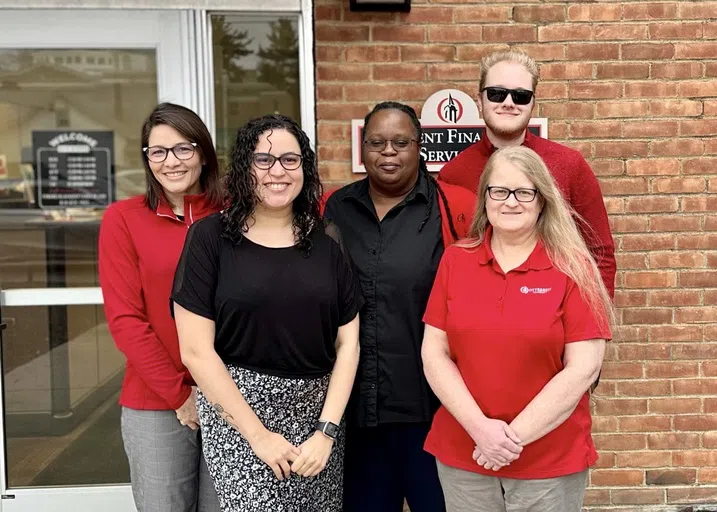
(330, 430)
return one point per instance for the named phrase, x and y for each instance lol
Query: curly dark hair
(422, 167)
(241, 197)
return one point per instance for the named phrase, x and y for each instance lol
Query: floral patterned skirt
(289, 407)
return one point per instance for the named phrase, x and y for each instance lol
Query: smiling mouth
(277, 186)
(175, 174)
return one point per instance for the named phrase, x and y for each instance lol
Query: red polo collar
(538, 259)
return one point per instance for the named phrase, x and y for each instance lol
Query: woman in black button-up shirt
(395, 224)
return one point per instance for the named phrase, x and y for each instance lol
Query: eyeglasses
(265, 161)
(379, 145)
(499, 94)
(522, 195)
(158, 154)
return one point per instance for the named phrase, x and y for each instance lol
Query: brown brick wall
(633, 86)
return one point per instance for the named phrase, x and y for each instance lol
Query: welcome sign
(450, 122)
(73, 168)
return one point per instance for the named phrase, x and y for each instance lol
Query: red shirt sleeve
(324, 199)
(126, 313)
(588, 203)
(462, 171)
(437, 307)
(579, 320)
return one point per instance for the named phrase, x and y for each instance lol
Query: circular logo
(524, 289)
(450, 110)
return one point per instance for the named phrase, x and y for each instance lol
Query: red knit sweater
(575, 180)
(138, 253)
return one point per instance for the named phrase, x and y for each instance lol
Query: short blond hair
(513, 56)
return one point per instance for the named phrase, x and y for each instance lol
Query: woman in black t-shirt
(266, 304)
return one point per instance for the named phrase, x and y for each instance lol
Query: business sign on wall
(73, 168)
(450, 123)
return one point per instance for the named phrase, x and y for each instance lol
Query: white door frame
(108, 498)
(182, 41)
(165, 31)
(171, 35)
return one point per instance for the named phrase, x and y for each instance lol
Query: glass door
(73, 95)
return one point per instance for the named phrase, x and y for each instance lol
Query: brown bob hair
(189, 125)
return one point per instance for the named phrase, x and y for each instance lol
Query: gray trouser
(167, 469)
(466, 491)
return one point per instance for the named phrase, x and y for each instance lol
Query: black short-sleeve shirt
(276, 310)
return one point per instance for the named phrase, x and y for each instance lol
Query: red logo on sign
(450, 110)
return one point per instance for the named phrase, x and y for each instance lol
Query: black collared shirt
(396, 264)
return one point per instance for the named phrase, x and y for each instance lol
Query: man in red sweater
(506, 103)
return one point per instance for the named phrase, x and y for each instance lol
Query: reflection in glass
(40, 90)
(61, 370)
(65, 90)
(61, 411)
(256, 72)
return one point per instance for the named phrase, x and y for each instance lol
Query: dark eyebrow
(401, 136)
(167, 147)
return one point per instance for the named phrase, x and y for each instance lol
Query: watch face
(328, 428)
(332, 430)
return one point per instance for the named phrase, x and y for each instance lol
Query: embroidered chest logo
(539, 291)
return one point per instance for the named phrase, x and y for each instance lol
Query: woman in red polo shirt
(141, 239)
(515, 335)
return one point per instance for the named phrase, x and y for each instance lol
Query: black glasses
(159, 154)
(522, 195)
(265, 161)
(379, 145)
(499, 94)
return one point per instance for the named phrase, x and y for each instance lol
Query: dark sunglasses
(499, 94)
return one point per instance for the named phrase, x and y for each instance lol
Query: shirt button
(373, 251)
(373, 386)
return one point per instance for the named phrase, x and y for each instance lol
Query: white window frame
(307, 83)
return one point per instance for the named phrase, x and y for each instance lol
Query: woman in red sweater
(140, 242)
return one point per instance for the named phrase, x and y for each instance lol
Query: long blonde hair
(556, 228)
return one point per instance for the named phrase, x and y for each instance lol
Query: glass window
(256, 72)
(61, 413)
(110, 100)
(70, 134)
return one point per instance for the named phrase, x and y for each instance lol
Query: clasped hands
(497, 445)
(307, 459)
